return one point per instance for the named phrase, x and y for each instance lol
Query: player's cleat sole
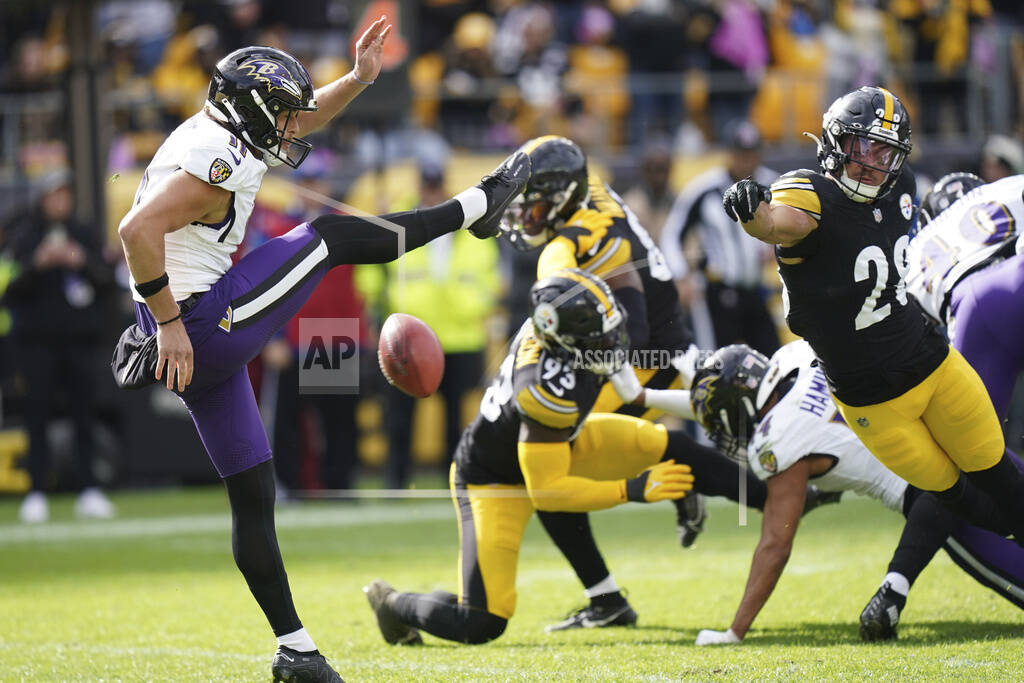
(391, 627)
(691, 513)
(299, 667)
(879, 619)
(503, 185)
(593, 616)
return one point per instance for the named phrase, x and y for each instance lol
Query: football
(410, 355)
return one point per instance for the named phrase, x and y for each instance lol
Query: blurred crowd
(640, 84)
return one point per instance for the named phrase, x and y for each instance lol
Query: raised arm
(335, 96)
(749, 202)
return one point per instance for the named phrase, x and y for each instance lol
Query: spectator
(452, 285)
(468, 80)
(728, 263)
(651, 199)
(739, 56)
(56, 301)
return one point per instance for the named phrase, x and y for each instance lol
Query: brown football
(410, 355)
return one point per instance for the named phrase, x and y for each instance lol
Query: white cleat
(93, 504)
(34, 509)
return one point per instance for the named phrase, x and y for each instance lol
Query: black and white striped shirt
(730, 255)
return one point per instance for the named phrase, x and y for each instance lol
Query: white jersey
(806, 422)
(197, 255)
(978, 229)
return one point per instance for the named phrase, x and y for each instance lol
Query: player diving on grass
(779, 417)
(537, 445)
(201, 319)
(578, 221)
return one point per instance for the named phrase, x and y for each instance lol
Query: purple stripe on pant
(220, 397)
(988, 312)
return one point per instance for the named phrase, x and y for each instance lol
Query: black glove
(741, 200)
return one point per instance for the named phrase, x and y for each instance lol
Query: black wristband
(171, 320)
(148, 289)
(636, 486)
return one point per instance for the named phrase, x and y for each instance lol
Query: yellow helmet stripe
(889, 104)
(586, 282)
(533, 144)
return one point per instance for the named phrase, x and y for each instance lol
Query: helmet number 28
(870, 313)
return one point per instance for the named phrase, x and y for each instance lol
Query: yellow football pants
(608, 400)
(943, 425)
(493, 517)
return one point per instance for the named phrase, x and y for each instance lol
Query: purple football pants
(228, 326)
(988, 310)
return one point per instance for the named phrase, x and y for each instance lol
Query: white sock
(897, 582)
(474, 204)
(602, 587)
(298, 641)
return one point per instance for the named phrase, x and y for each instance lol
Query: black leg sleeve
(440, 614)
(1004, 483)
(572, 534)
(354, 239)
(928, 526)
(254, 543)
(966, 500)
(713, 473)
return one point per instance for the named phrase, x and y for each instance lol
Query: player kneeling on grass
(779, 415)
(535, 446)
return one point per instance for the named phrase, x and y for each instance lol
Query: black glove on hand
(741, 200)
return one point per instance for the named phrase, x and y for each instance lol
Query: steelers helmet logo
(545, 318)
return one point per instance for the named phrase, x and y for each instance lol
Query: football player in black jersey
(580, 222)
(841, 244)
(536, 445)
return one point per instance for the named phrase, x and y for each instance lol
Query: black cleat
(395, 632)
(691, 513)
(595, 616)
(815, 498)
(291, 665)
(878, 620)
(503, 185)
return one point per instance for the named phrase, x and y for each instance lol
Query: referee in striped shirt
(729, 262)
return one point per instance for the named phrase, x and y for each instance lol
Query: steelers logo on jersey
(220, 171)
(906, 206)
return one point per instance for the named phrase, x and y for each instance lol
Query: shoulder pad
(219, 158)
(796, 189)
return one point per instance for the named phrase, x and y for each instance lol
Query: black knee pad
(482, 627)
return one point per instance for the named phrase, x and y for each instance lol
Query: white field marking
(310, 517)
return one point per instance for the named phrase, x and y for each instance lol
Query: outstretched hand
(742, 199)
(370, 50)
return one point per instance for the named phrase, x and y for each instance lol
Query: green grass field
(155, 596)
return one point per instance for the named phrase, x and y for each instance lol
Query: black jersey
(848, 294)
(606, 238)
(531, 385)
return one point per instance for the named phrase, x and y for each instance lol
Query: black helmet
(250, 88)
(868, 127)
(557, 189)
(576, 317)
(944, 192)
(724, 395)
